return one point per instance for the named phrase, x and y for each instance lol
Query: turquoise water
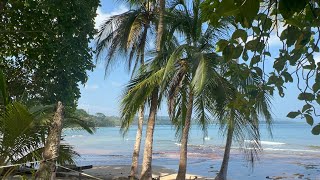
(291, 150)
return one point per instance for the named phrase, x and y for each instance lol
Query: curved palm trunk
(184, 141)
(136, 150)
(146, 172)
(222, 175)
(47, 169)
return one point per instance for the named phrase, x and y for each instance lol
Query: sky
(103, 93)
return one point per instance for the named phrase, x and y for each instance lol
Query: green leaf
(248, 10)
(227, 8)
(316, 87)
(293, 114)
(258, 71)
(221, 45)
(288, 7)
(309, 119)
(228, 52)
(237, 52)
(316, 130)
(256, 30)
(240, 33)
(245, 56)
(255, 60)
(306, 96)
(267, 53)
(306, 107)
(266, 25)
(252, 45)
(279, 63)
(287, 76)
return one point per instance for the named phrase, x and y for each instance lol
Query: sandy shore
(122, 172)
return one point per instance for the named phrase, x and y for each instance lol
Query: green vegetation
(295, 23)
(209, 62)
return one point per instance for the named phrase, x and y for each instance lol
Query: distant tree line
(102, 120)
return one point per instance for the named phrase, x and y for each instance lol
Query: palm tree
(146, 171)
(128, 33)
(192, 75)
(243, 123)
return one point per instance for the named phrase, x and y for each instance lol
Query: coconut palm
(251, 103)
(192, 76)
(127, 34)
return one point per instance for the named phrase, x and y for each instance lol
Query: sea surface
(292, 152)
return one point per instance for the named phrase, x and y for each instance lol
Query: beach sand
(122, 172)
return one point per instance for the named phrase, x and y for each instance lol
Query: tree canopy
(45, 48)
(294, 23)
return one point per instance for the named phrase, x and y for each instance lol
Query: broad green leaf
(227, 8)
(287, 76)
(252, 45)
(306, 107)
(288, 7)
(255, 60)
(306, 96)
(248, 10)
(237, 51)
(316, 130)
(266, 24)
(228, 52)
(245, 56)
(240, 33)
(316, 87)
(309, 119)
(221, 45)
(293, 114)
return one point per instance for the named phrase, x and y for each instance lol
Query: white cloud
(102, 16)
(91, 87)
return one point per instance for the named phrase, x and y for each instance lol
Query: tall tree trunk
(162, 6)
(146, 172)
(184, 141)
(136, 150)
(222, 175)
(47, 169)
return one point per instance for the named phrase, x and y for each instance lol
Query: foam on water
(266, 142)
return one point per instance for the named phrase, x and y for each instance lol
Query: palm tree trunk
(222, 175)
(146, 172)
(136, 150)
(47, 169)
(184, 141)
(162, 6)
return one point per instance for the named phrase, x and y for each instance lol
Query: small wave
(207, 138)
(266, 142)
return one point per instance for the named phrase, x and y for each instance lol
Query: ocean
(291, 152)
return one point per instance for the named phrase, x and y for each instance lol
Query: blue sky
(102, 94)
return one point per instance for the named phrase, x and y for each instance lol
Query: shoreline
(121, 172)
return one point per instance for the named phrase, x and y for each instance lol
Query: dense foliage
(45, 48)
(294, 23)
